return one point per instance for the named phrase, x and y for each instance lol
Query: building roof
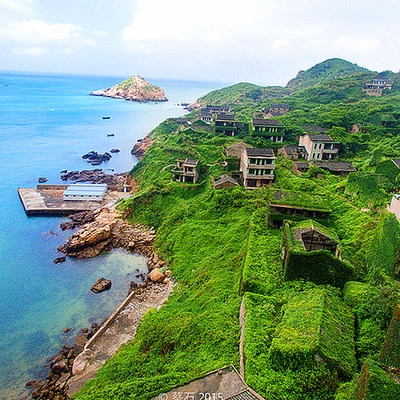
(238, 144)
(225, 117)
(212, 107)
(290, 150)
(225, 178)
(335, 166)
(262, 152)
(297, 229)
(205, 113)
(191, 161)
(396, 161)
(275, 105)
(302, 164)
(320, 137)
(86, 189)
(313, 129)
(266, 122)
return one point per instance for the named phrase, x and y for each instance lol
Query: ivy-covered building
(186, 171)
(296, 206)
(225, 123)
(389, 168)
(270, 129)
(311, 251)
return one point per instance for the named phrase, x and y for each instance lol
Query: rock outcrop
(133, 89)
(141, 147)
(101, 285)
(108, 230)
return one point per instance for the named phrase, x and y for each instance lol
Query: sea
(47, 122)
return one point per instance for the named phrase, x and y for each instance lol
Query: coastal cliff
(133, 89)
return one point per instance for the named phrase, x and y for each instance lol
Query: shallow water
(46, 124)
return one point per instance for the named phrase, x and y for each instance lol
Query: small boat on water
(110, 134)
(106, 117)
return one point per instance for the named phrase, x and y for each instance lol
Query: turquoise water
(47, 122)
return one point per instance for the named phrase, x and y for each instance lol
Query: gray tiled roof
(338, 166)
(225, 178)
(260, 152)
(314, 129)
(225, 117)
(323, 137)
(266, 122)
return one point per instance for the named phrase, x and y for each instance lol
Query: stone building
(257, 166)
(186, 171)
(236, 149)
(293, 152)
(319, 146)
(225, 182)
(270, 129)
(225, 123)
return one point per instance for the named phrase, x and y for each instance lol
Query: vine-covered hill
(324, 71)
(303, 340)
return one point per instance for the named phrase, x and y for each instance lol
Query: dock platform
(48, 200)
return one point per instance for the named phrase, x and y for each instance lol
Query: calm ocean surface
(47, 122)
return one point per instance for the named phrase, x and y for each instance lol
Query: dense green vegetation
(304, 339)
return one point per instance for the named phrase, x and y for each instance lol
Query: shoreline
(105, 229)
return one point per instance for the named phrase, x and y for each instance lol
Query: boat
(106, 117)
(110, 134)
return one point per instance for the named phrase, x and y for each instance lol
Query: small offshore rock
(167, 272)
(60, 260)
(101, 285)
(84, 330)
(66, 330)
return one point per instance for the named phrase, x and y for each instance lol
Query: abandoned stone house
(270, 129)
(236, 149)
(225, 123)
(286, 204)
(257, 166)
(380, 83)
(342, 168)
(217, 109)
(311, 251)
(293, 152)
(225, 182)
(319, 146)
(206, 116)
(186, 171)
(394, 206)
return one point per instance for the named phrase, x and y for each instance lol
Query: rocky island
(133, 89)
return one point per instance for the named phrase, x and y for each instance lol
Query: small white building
(85, 192)
(394, 206)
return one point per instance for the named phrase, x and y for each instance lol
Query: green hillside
(324, 71)
(221, 248)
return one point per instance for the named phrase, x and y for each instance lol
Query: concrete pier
(48, 200)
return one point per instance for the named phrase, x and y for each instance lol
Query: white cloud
(37, 31)
(18, 6)
(363, 44)
(30, 51)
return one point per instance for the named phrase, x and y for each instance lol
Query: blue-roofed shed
(85, 192)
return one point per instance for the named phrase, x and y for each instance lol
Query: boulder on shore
(101, 285)
(156, 275)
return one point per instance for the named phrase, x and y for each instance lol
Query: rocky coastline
(141, 147)
(101, 230)
(133, 89)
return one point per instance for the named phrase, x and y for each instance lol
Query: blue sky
(260, 41)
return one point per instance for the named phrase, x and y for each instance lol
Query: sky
(260, 41)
